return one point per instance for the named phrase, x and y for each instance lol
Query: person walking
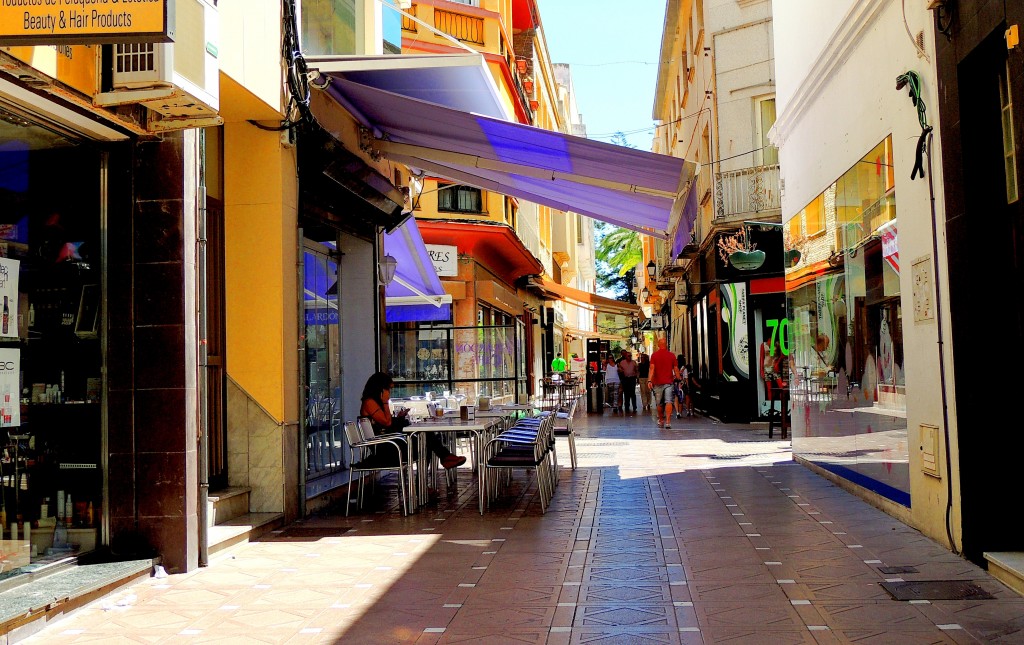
(628, 374)
(690, 384)
(664, 371)
(643, 369)
(612, 383)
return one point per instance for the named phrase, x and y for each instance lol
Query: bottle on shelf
(6, 324)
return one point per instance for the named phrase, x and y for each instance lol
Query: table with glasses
(481, 428)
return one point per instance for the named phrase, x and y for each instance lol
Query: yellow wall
(260, 258)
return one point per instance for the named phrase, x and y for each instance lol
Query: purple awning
(626, 187)
(689, 217)
(415, 293)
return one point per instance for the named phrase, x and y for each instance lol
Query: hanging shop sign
(50, 22)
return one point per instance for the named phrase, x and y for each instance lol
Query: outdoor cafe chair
(565, 426)
(376, 455)
(523, 446)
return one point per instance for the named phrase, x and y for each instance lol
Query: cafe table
(481, 429)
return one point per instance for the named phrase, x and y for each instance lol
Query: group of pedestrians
(670, 378)
(666, 383)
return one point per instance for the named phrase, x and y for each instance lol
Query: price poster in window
(10, 404)
(9, 294)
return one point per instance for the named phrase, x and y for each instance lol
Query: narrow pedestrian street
(702, 533)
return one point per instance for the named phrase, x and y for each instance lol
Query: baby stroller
(679, 390)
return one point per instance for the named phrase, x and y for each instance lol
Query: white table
(479, 428)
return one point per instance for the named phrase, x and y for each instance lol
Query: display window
(322, 334)
(51, 363)
(844, 346)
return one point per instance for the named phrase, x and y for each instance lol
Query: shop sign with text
(445, 259)
(36, 22)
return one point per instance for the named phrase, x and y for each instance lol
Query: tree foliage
(618, 250)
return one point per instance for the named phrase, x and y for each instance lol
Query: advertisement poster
(10, 404)
(9, 295)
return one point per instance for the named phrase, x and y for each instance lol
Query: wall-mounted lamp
(386, 269)
(645, 294)
(652, 269)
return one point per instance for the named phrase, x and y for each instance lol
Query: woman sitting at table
(376, 406)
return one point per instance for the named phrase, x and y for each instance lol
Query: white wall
(803, 27)
(250, 47)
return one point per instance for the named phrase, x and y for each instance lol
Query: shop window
(51, 326)
(814, 216)
(845, 327)
(460, 199)
(322, 333)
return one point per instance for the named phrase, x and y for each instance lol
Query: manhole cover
(892, 570)
(936, 590)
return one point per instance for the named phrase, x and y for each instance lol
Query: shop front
(53, 495)
(845, 338)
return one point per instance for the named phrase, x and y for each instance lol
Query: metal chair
(380, 454)
(527, 446)
(565, 427)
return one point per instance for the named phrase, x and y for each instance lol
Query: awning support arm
(434, 300)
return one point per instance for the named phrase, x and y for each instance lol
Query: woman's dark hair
(375, 386)
(644, 358)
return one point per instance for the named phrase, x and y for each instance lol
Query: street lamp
(652, 268)
(645, 294)
(386, 269)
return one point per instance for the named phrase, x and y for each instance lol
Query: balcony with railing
(747, 192)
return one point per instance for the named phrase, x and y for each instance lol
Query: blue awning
(415, 293)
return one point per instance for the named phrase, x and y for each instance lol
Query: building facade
(715, 104)
(870, 386)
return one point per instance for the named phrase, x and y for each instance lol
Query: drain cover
(936, 590)
(892, 570)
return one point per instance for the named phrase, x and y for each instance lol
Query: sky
(612, 48)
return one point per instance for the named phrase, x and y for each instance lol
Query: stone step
(48, 593)
(226, 504)
(1008, 567)
(240, 530)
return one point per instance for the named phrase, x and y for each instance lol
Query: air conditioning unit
(179, 82)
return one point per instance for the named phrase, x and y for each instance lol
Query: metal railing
(460, 26)
(748, 190)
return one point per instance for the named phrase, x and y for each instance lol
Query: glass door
(324, 437)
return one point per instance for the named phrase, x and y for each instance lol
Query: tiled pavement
(704, 533)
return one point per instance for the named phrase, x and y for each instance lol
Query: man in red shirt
(664, 370)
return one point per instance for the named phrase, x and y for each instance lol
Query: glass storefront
(486, 360)
(845, 340)
(51, 361)
(325, 453)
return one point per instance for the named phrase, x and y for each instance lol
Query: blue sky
(612, 47)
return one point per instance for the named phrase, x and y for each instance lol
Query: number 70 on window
(779, 327)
